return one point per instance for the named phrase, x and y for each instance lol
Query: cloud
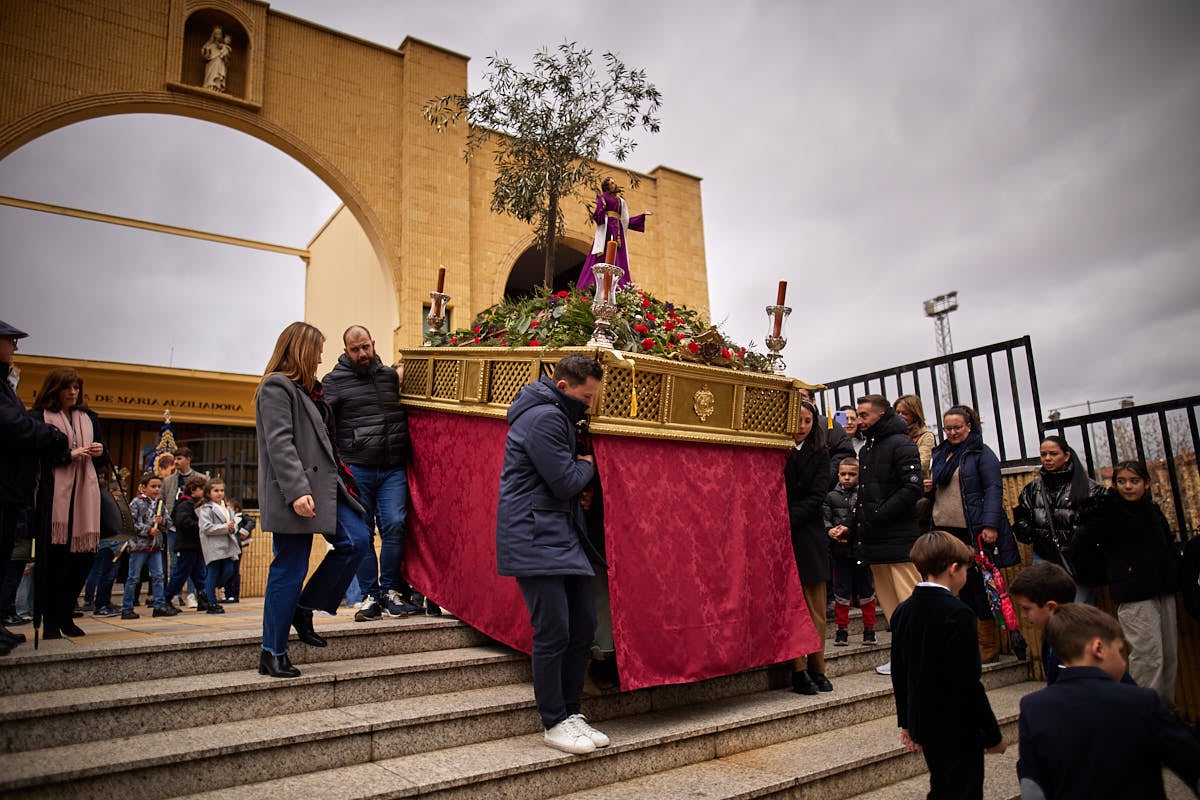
(1038, 157)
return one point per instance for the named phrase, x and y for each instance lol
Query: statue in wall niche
(216, 52)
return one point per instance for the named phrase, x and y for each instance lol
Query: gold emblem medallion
(704, 403)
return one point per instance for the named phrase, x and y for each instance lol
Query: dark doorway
(529, 270)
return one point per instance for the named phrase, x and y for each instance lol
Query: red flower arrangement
(643, 324)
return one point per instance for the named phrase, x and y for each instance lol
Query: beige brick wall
(348, 110)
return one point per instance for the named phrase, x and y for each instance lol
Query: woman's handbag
(116, 520)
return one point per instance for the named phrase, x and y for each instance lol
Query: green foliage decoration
(643, 324)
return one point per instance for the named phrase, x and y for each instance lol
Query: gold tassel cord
(633, 409)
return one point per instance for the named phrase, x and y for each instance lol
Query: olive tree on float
(548, 126)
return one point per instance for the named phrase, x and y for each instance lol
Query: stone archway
(347, 109)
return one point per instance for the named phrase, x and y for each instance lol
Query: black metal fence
(998, 380)
(1163, 436)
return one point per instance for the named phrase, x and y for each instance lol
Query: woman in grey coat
(303, 488)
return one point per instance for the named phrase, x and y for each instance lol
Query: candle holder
(437, 312)
(604, 304)
(776, 340)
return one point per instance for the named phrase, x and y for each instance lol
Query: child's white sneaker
(191, 601)
(884, 669)
(599, 738)
(569, 737)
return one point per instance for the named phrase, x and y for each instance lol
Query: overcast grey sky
(1042, 158)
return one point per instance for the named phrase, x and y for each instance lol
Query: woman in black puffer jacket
(1047, 516)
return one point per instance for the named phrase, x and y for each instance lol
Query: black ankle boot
(71, 629)
(276, 666)
(12, 638)
(802, 683)
(302, 622)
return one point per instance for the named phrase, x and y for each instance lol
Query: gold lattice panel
(507, 379)
(765, 410)
(445, 379)
(618, 395)
(416, 373)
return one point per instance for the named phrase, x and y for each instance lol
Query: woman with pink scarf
(66, 525)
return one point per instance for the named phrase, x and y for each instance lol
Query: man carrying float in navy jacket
(541, 540)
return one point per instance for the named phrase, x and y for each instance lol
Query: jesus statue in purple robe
(612, 222)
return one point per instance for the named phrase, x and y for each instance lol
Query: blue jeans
(217, 574)
(194, 584)
(384, 492)
(153, 560)
(189, 566)
(98, 589)
(351, 543)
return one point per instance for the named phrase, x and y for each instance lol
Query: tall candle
(779, 299)
(610, 252)
(442, 279)
(606, 282)
(778, 329)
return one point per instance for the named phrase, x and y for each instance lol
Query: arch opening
(157, 299)
(529, 268)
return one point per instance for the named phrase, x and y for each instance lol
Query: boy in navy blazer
(1089, 735)
(941, 705)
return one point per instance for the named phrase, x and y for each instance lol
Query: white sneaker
(569, 737)
(598, 738)
(884, 669)
(191, 601)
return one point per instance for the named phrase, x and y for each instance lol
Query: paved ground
(245, 615)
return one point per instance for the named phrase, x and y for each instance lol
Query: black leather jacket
(370, 425)
(1045, 502)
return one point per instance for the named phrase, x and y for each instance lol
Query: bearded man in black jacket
(371, 428)
(889, 486)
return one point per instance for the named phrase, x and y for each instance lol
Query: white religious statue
(216, 52)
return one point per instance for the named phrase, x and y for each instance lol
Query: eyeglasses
(954, 428)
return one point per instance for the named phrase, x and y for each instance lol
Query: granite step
(645, 742)
(89, 713)
(248, 712)
(999, 779)
(832, 765)
(27, 670)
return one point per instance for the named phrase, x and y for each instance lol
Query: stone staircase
(427, 707)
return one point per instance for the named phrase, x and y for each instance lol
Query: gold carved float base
(674, 400)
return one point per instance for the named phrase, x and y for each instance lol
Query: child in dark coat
(1143, 574)
(1089, 735)
(941, 705)
(189, 560)
(851, 575)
